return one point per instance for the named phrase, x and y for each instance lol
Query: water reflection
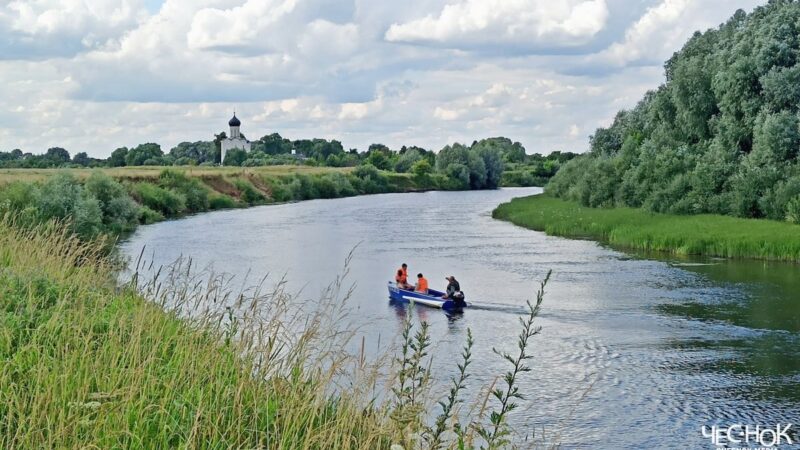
(637, 350)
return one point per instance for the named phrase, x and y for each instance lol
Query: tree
(721, 135)
(379, 160)
(118, 157)
(144, 153)
(81, 159)
(422, 168)
(57, 155)
(235, 157)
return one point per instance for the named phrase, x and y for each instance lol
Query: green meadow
(706, 234)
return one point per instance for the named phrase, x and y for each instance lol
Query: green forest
(720, 136)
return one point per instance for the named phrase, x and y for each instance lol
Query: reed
(710, 235)
(181, 358)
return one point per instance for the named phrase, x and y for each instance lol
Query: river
(636, 351)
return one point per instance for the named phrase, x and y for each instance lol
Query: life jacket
(401, 279)
(422, 285)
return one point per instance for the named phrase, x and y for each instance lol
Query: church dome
(234, 122)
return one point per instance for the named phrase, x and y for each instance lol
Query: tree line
(721, 135)
(481, 165)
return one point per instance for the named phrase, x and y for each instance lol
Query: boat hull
(433, 299)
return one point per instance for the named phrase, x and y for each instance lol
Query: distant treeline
(721, 136)
(479, 166)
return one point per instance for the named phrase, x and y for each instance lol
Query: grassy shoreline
(183, 361)
(709, 235)
(116, 200)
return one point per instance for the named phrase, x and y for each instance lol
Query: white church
(234, 140)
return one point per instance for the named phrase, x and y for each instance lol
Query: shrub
(192, 189)
(221, 202)
(159, 199)
(185, 161)
(120, 212)
(250, 194)
(793, 210)
(148, 216)
(62, 197)
(280, 191)
(20, 199)
(234, 157)
(18, 195)
(459, 175)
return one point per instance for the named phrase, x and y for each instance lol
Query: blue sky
(153, 5)
(96, 75)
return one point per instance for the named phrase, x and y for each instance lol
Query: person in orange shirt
(422, 284)
(401, 279)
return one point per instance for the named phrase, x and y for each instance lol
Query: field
(152, 172)
(710, 235)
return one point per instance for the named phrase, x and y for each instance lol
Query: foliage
(721, 136)
(120, 212)
(192, 189)
(143, 154)
(235, 157)
(163, 201)
(249, 193)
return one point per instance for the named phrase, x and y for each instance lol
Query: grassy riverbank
(116, 200)
(711, 235)
(181, 361)
(87, 365)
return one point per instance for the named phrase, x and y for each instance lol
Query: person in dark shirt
(454, 291)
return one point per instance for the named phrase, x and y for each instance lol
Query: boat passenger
(452, 287)
(404, 268)
(402, 280)
(453, 291)
(422, 284)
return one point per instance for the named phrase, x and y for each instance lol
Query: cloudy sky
(93, 75)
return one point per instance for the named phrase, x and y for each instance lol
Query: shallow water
(636, 350)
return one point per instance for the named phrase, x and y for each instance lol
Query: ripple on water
(633, 353)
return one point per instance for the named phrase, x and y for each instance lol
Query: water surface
(636, 351)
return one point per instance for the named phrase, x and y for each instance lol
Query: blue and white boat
(432, 299)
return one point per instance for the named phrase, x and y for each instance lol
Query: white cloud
(664, 28)
(93, 76)
(43, 28)
(521, 22)
(243, 26)
(447, 114)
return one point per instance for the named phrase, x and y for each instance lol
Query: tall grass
(710, 235)
(182, 359)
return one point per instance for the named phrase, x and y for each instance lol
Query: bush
(372, 181)
(793, 210)
(162, 200)
(62, 197)
(192, 189)
(250, 194)
(221, 202)
(185, 161)
(120, 212)
(147, 216)
(458, 175)
(235, 157)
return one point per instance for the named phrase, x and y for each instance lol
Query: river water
(636, 350)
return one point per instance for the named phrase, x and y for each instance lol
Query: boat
(432, 299)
